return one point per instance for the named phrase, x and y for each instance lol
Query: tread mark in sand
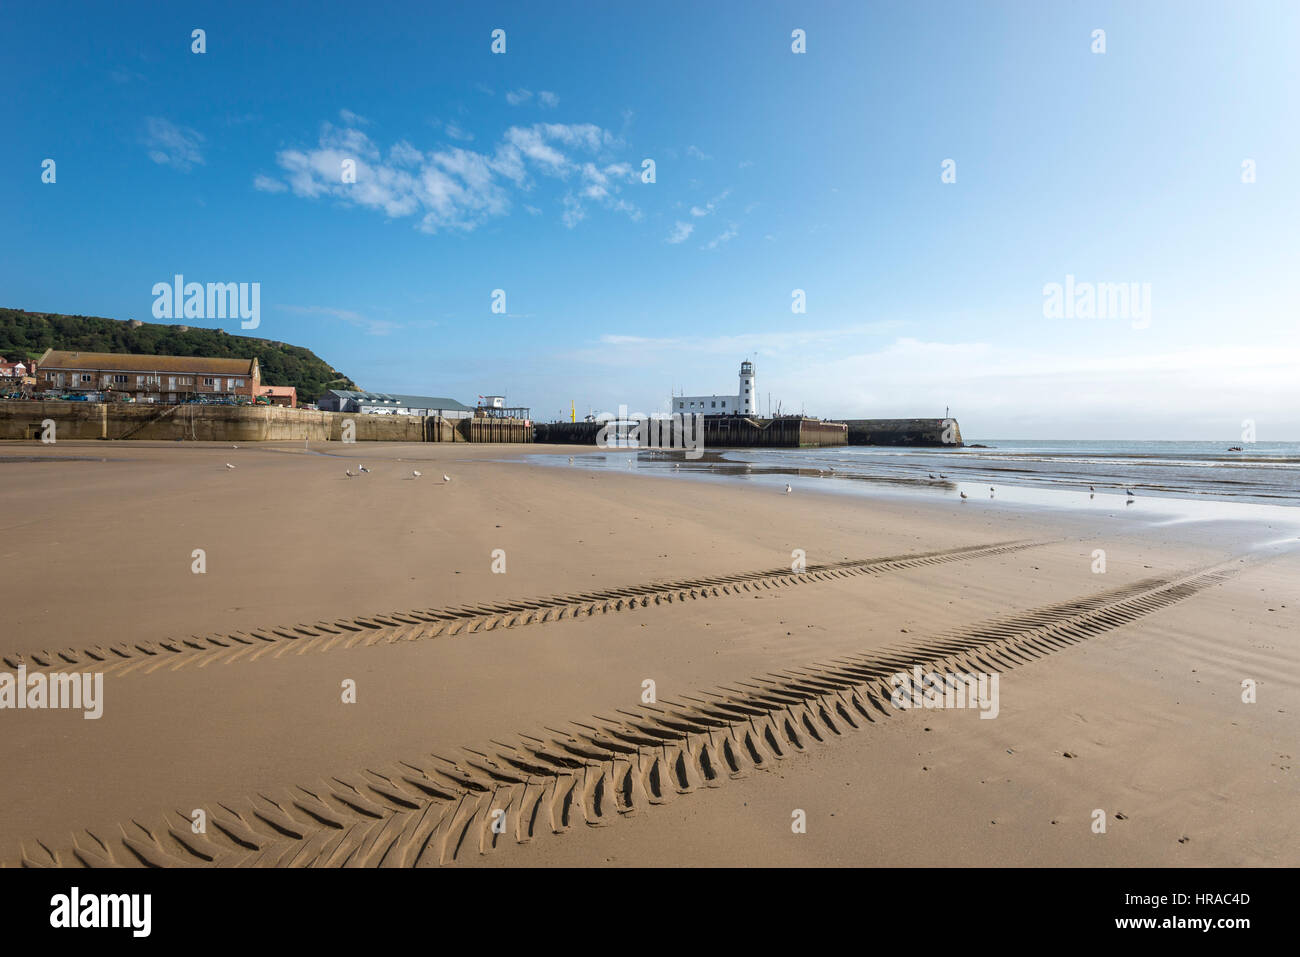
(439, 809)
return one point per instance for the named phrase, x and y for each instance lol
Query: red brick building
(164, 379)
(285, 395)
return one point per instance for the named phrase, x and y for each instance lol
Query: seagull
(931, 475)
(414, 474)
(363, 468)
(1128, 492)
(941, 475)
(963, 496)
(349, 473)
(229, 466)
(787, 488)
(570, 459)
(678, 465)
(445, 478)
(234, 446)
(1091, 489)
(1128, 501)
(832, 468)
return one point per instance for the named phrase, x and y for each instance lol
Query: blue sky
(775, 171)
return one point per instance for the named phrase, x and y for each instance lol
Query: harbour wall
(721, 431)
(916, 432)
(236, 423)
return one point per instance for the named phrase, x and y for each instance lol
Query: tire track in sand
(438, 810)
(146, 657)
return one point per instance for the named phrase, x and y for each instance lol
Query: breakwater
(720, 431)
(934, 433)
(242, 423)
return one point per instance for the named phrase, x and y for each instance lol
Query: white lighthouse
(745, 402)
(748, 396)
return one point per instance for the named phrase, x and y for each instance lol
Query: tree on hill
(26, 335)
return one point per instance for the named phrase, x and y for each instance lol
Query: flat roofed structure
(392, 403)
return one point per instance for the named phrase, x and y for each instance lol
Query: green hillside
(25, 335)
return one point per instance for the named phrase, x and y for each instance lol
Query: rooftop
(403, 401)
(121, 362)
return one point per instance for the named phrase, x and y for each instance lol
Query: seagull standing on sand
(931, 474)
(963, 496)
(1128, 492)
(570, 459)
(1091, 489)
(229, 466)
(787, 488)
(445, 478)
(414, 474)
(941, 475)
(363, 468)
(349, 473)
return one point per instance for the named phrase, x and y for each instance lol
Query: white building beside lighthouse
(744, 402)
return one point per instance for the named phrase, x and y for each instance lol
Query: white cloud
(548, 99)
(456, 133)
(458, 188)
(696, 153)
(172, 145)
(680, 233)
(353, 119)
(373, 327)
(268, 185)
(516, 97)
(730, 233)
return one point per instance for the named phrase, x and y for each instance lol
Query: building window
(209, 381)
(713, 405)
(119, 379)
(85, 377)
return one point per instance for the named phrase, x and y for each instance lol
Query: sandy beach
(502, 718)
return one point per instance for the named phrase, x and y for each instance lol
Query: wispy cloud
(518, 97)
(456, 133)
(711, 206)
(548, 99)
(730, 233)
(458, 188)
(353, 119)
(680, 232)
(172, 145)
(696, 153)
(372, 327)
